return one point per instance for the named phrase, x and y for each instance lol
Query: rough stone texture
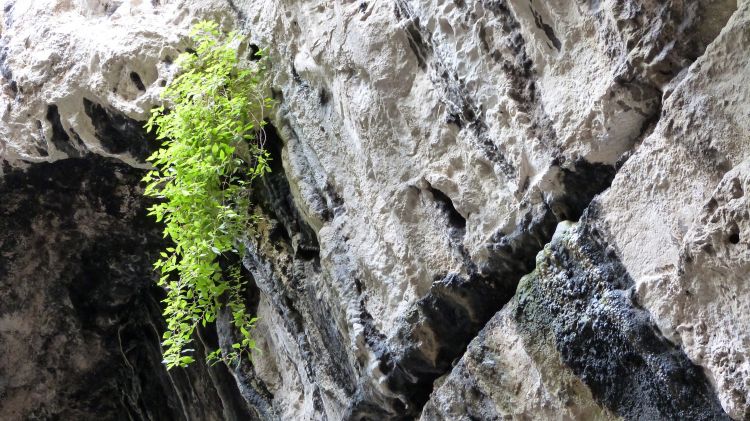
(504, 376)
(79, 315)
(434, 146)
(577, 317)
(677, 214)
(79, 75)
(425, 152)
(675, 218)
(80, 318)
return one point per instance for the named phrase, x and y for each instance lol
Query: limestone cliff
(499, 209)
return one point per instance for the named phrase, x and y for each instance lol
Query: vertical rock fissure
(281, 259)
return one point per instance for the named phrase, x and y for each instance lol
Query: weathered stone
(424, 153)
(80, 318)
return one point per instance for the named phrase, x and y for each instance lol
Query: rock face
(81, 320)
(477, 210)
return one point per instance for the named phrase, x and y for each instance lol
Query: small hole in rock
(253, 53)
(136, 79)
(734, 238)
(323, 96)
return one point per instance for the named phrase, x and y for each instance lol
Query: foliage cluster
(210, 154)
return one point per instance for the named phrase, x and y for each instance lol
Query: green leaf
(209, 156)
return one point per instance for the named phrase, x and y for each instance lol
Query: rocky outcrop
(415, 259)
(81, 319)
(652, 261)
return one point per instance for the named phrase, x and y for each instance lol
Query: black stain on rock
(295, 75)
(734, 234)
(286, 268)
(466, 113)
(323, 97)
(458, 306)
(582, 182)
(445, 204)
(119, 133)
(364, 407)
(422, 50)
(111, 7)
(252, 53)
(582, 296)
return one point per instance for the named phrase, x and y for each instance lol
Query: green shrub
(209, 157)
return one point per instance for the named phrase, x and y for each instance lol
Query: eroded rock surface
(80, 319)
(81, 75)
(425, 152)
(671, 223)
(447, 147)
(692, 208)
